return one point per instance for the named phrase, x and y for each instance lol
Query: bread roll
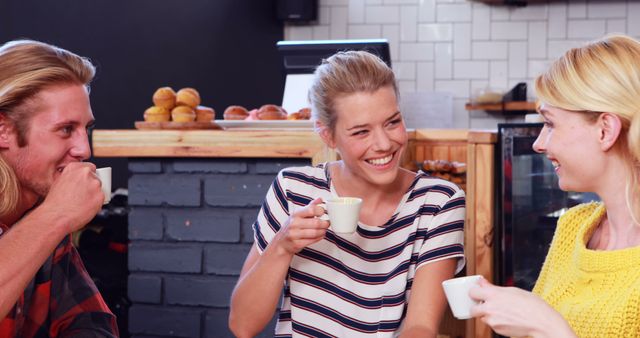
(235, 113)
(302, 114)
(205, 114)
(165, 97)
(188, 97)
(157, 114)
(183, 114)
(271, 112)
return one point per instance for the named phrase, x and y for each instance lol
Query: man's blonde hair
(26, 68)
(602, 76)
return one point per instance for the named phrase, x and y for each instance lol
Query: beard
(31, 183)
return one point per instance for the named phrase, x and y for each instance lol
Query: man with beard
(46, 193)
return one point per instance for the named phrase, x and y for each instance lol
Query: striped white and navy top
(358, 285)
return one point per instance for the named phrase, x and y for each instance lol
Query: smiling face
(570, 142)
(369, 135)
(57, 135)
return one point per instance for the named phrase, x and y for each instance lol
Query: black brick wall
(190, 230)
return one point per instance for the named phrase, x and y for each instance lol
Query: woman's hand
(303, 228)
(515, 312)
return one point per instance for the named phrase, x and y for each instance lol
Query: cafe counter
(194, 195)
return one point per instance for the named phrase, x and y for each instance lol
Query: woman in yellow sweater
(589, 285)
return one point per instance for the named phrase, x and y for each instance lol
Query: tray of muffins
(268, 116)
(177, 110)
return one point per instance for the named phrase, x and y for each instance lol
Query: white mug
(104, 175)
(342, 213)
(457, 292)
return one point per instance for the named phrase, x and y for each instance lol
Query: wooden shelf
(507, 106)
(211, 143)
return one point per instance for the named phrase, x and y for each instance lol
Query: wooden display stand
(476, 149)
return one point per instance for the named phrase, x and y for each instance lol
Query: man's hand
(76, 196)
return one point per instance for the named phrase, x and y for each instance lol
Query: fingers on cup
(307, 233)
(478, 310)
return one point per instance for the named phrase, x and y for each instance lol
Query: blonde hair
(602, 76)
(26, 68)
(343, 74)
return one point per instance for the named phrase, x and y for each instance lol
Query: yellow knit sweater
(597, 292)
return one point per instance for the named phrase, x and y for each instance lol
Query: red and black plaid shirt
(60, 301)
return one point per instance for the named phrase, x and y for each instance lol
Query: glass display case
(530, 203)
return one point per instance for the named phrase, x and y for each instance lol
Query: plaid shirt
(60, 301)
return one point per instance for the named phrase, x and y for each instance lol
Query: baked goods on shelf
(451, 171)
(302, 114)
(182, 107)
(459, 168)
(188, 97)
(157, 114)
(164, 97)
(271, 112)
(205, 114)
(183, 114)
(235, 113)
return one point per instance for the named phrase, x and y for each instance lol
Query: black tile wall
(190, 231)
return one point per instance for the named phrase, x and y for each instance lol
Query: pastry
(271, 112)
(253, 115)
(165, 97)
(302, 114)
(235, 113)
(188, 97)
(183, 114)
(429, 165)
(443, 165)
(458, 179)
(459, 168)
(205, 114)
(157, 114)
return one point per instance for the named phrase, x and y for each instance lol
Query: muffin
(165, 97)
(188, 97)
(271, 112)
(183, 114)
(157, 114)
(235, 113)
(205, 114)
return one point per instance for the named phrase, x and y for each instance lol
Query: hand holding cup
(303, 228)
(457, 292)
(75, 195)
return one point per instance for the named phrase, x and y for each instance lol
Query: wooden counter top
(280, 143)
(210, 143)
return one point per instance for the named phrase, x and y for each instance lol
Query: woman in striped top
(384, 279)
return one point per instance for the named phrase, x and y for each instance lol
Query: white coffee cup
(342, 213)
(457, 292)
(104, 175)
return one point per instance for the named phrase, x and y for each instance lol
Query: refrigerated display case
(529, 202)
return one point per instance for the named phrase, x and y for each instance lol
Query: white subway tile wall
(461, 46)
